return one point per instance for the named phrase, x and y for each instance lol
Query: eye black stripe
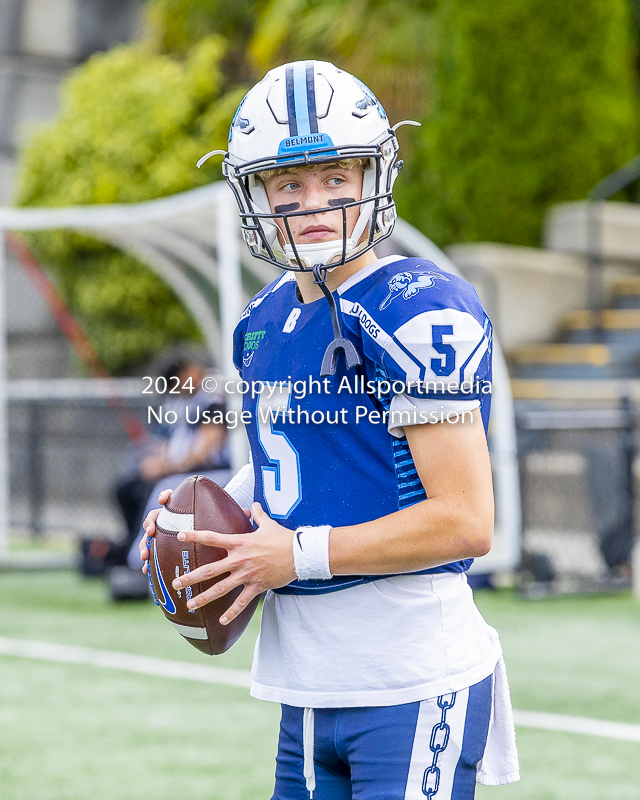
(311, 98)
(286, 208)
(291, 107)
(341, 201)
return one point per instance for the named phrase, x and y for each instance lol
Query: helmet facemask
(260, 226)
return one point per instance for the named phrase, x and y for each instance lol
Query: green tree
(536, 101)
(131, 126)
(175, 26)
(389, 44)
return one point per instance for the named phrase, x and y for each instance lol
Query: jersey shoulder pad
(421, 323)
(404, 289)
(263, 294)
(410, 287)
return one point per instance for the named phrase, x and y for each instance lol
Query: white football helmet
(311, 112)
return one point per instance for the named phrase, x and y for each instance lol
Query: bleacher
(593, 345)
(568, 316)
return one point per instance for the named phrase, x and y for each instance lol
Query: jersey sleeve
(405, 410)
(439, 354)
(442, 358)
(429, 339)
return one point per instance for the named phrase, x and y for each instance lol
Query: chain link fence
(69, 441)
(577, 489)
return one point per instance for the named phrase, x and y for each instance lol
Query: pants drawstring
(307, 750)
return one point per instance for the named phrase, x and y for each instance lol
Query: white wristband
(311, 553)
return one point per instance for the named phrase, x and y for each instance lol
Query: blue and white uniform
(327, 451)
(332, 451)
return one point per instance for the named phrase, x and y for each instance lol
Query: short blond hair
(344, 163)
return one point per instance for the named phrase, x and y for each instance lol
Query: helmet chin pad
(321, 253)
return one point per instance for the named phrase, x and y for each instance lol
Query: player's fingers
(224, 540)
(247, 513)
(164, 496)
(213, 593)
(258, 514)
(149, 523)
(204, 573)
(143, 548)
(242, 601)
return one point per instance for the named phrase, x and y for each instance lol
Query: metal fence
(68, 443)
(577, 490)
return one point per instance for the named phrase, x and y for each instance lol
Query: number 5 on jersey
(281, 483)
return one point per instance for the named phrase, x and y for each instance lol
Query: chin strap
(329, 362)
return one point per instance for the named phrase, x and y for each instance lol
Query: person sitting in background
(188, 443)
(185, 446)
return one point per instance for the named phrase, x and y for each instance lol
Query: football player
(370, 481)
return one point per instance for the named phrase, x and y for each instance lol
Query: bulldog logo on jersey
(409, 284)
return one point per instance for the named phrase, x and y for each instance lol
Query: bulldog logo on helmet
(242, 124)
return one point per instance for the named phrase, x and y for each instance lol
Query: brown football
(197, 504)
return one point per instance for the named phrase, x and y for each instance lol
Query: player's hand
(149, 526)
(258, 561)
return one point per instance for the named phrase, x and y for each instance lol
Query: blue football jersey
(321, 447)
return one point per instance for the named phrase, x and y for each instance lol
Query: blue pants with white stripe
(428, 749)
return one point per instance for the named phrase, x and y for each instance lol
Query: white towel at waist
(499, 763)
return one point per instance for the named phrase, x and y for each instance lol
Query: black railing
(602, 191)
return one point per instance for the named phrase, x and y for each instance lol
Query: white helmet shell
(311, 112)
(303, 107)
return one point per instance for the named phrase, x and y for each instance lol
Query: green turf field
(73, 732)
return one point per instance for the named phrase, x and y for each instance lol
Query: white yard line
(591, 727)
(203, 673)
(144, 665)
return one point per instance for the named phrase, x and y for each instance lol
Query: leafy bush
(131, 126)
(536, 102)
(176, 25)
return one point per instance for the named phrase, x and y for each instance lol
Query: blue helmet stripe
(291, 110)
(311, 98)
(300, 99)
(302, 113)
